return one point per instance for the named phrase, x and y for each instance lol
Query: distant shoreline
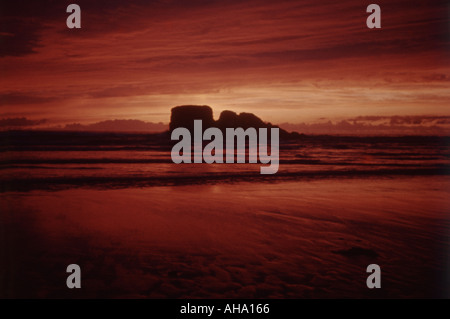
(106, 132)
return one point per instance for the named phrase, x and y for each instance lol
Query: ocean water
(140, 226)
(53, 160)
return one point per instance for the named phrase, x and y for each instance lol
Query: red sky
(286, 61)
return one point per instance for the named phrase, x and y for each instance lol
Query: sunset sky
(286, 61)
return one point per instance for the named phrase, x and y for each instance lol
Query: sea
(140, 226)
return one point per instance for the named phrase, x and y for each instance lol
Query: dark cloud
(18, 38)
(376, 125)
(22, 22)
(119, 126)
(369, 118)
(134, 56)
(437, 77)
(404, 120)
(20, 122)
(15, 98)
(119, 91)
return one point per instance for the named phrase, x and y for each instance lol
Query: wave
(59, 160)
(111, 182)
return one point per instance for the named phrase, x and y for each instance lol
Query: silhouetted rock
(184, 116)
(247, 120)
(227, 119)
(244, 120)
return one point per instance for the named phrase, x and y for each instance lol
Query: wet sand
(293, 239)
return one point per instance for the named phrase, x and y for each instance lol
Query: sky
(286, 61)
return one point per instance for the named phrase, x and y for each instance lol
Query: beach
(288, 239)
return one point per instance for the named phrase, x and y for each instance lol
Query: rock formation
(184, 116)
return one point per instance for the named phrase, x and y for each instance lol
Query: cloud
(23, 98)
(119, 126)
(133, 57)
(18, 122)
(377, 125)
(22, 24)
(403, 120)
(18, 41)
(437, 77)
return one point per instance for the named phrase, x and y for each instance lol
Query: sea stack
(184, 116)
